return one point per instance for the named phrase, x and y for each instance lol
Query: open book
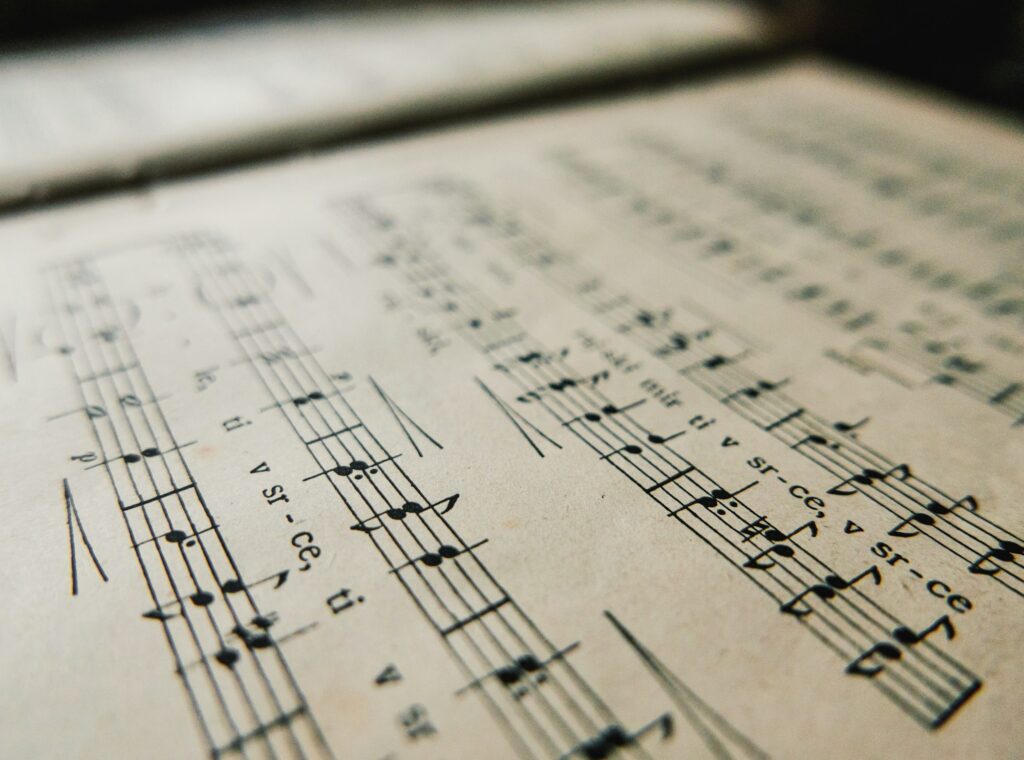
(684, 423)
(221, 90)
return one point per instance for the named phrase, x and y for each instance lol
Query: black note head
(227, 657)
(822, 591)
(508, 674)
(1001, 554)
(904, 635)
(867, 477)
(890, 651)
(258, 641)
(529, 662)
(836, 582)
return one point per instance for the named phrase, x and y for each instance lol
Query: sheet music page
(680, 426)
(102, 113)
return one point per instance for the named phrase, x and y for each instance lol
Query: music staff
(619, 440)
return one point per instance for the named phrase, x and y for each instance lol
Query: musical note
(236, 585)
(403, 511)
(869, 477)
(533, 357)
(201, 598)
(713, 499)
(521, 668)
(817, 440)
(923, 518)
(862, 666)
(905, 635)
(677, 342)
(851, 427)
(648, 318)
(968, 502)
(615, 737)
(826, 591)
(227, 656)
(865, 664)
(159, 614)
(1006, 551)
(445, 551)
(779, 549)
(659, 439)
(762, 386)
(259, 639)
